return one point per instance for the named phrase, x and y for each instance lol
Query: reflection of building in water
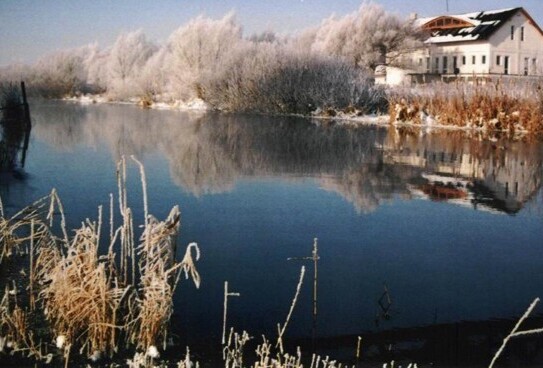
(501, 176)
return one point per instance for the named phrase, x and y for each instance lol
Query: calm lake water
(452, 226)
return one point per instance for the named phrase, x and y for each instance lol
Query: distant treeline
(324, 67)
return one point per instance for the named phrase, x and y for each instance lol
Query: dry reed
(281, 329)
(514, 332)
(15, 330)
(512, 108)
(227, 294)
(15, 231)
(94, 303)
(268, 356)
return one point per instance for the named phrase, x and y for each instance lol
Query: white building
(487, 43)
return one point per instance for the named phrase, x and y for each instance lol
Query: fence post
(28, 123)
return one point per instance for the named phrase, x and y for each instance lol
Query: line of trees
(328, 66)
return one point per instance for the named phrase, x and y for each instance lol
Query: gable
(445, 22)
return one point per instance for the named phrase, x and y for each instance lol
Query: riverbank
(487, 111)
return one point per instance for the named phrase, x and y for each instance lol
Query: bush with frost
(273, 77)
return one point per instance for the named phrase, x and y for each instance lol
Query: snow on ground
(354, 120)
(191, 105)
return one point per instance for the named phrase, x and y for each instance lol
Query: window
(463, 59)
(473, 60)
(436, 65)
(534, 66)
(498, 59)
(427, 65)
(512, 32)
(445, 66)
(522, 33)
(483, 59)
(526, 61)
(420, 61)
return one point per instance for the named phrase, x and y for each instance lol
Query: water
(450, 225)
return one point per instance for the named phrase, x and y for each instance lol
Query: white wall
(517, 49)
(472, 53)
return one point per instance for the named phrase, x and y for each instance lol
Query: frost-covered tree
(61, 73)
(153, 77)
(266, 36)
(365, 37)
(96, 65)
(198, 50)
(126, 60)
(304, 41)
(14, 73)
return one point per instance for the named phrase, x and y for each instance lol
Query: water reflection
(209, 153)
(499, 176)
(14, 138)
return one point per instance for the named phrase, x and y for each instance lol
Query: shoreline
(341, 118)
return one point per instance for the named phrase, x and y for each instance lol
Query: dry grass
(95, 304)
(80, 297)
(15, 231)
(513, 107)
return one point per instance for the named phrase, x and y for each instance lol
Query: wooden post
(28, 123)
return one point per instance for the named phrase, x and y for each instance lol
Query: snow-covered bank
(412, 117)
(195, 104)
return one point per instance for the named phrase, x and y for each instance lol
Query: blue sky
(31, 28)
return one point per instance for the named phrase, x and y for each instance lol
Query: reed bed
(511, 107)
(92, 303)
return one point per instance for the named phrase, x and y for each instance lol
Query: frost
(60, 341)
(152, 352)
(207, 63)
(125, 62)
(366, 37)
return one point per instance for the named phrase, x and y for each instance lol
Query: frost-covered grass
(511, 107)
(87, 301)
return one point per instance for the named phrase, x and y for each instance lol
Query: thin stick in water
(226, 295)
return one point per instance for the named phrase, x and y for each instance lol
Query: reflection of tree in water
(208, 153)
